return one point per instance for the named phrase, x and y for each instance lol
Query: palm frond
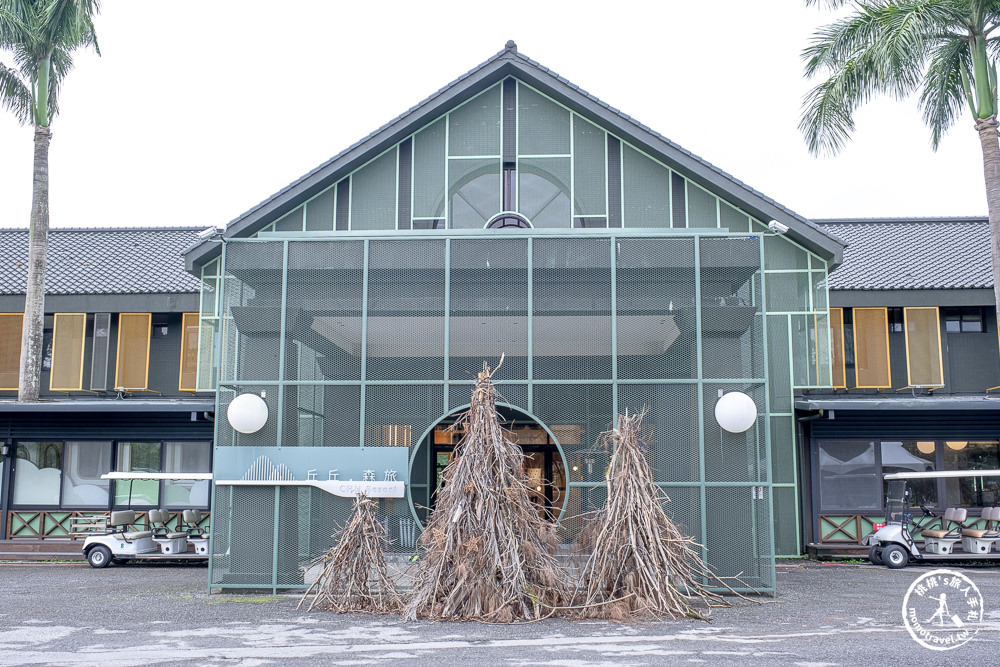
(15, 96)
(943, 98)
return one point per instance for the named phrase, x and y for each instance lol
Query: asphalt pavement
(158, 614)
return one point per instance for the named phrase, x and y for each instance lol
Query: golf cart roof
(942, 474)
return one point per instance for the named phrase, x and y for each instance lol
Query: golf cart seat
(121, 520)
(981, 540)
(196, 535)
(171, 542)
(942, 540)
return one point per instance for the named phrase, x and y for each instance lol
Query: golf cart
(124, 540)
(954, 536)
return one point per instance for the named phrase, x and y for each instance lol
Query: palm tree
(41, 35)
(946, 49)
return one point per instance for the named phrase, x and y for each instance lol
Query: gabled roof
(102, 261)
(509, 62)
(912, 254)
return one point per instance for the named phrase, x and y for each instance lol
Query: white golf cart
(954, 536)
(123, 540)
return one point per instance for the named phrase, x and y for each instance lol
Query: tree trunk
(34, 293)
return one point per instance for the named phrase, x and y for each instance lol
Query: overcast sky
(197, 111)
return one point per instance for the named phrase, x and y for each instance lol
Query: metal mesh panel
(406, 299)
(732, 331)
(489, 307)
(265, 437)
(782, 450)
(589, 408)
(702, 207)
(684, 508)
(590, 181)
(543, 191)
(780, 253)
(243, 520)
(646, 190)
(324, 302)
(474, 127)
(513, 394)
(322, 415)
(395, 414)
(786, 509)
(428, 171)
(788, 292)
(571, 308)
(779, 379)
(734, 457)
(474, 192)
(732, 219)
(671, 427)
(738, 535)
(373, 200)
(543, 125)
(655, 302)
(253, 302)
(319, 212)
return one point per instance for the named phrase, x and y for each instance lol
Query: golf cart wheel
(895, 557)
(875, 555)
(99, 557)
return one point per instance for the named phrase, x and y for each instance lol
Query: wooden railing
(73, 524)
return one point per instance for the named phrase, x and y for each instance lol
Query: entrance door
(543, 464)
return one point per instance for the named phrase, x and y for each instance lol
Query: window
(871, 348)
(188, 375)
(972, 455)
(911, 456)
(964, 320)
(138, 457)
(132, 369)
(38, 473)
(923, 347)
(183, 457)
(68, 336)
(848, 475)
(10, 349)
(83, 465)
(896, 323)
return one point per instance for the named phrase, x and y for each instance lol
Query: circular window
(508, 220)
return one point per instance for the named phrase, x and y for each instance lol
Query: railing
(73, 524)
(845, 528)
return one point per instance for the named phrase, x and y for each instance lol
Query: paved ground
(163, 615)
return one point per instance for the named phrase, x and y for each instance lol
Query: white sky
(199, 110)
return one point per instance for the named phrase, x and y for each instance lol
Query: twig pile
(355, 577)
(489, 555)
(641, 566)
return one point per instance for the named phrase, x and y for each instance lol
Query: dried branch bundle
(355, 577)
(489, 555)
(640, 566)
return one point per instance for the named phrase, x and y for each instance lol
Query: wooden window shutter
(132, 367)
(923, 346)
(10, 349)
(871, 347)
(188, 376)
(69, 331)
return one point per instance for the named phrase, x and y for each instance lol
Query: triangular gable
(510, 63)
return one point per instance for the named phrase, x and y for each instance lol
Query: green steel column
(274, 543)
(614, 322)
(447, 323)
(767, 405)
(531, 324)
(282, 342)
(701, 393)
(364, 340)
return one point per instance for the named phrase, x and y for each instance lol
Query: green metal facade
(363, 316)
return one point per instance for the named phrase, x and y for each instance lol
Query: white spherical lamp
(247, 413)
(736, 412)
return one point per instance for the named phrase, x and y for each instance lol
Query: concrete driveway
(825, 614)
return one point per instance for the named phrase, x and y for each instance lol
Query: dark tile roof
(102, 261)
(912, 253)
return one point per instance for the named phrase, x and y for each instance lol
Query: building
(510, 215)
(117, 384)
(916, 363)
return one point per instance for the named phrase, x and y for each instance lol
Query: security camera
(206, 234)
(777, 227)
